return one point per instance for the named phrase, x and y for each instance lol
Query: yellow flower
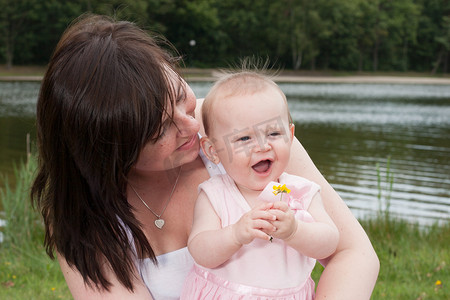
(280, 189)
(53, 289)
(14, 276)
(438, 282)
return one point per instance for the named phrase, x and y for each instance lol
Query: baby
(257, 230)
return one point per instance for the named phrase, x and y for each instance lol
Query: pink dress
(259, 270)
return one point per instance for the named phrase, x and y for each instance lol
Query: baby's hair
(245, 81)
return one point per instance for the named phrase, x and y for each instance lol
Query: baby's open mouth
(262, 166)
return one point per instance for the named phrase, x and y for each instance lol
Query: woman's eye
(275, 133)
(181, 96)
(163, 132)
(164, 129)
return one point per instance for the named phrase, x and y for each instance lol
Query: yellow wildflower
(280, 189)
(438, 282)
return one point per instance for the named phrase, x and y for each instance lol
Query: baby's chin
(255, 187)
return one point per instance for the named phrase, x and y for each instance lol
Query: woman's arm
(117, 291)
(351, 272)
(317, 239)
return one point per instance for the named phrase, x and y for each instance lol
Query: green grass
(26, 272)
(412, 258)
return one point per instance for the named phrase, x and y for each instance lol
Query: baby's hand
(254, 224)
(285, 223)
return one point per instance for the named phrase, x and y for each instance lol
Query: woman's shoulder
(297, 181)
(292, 177)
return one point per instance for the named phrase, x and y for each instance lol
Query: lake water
(346, 128)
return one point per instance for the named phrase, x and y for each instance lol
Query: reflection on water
(18, 99)
(17, 118)
(346, 128)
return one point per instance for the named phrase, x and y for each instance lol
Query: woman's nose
(187, 125)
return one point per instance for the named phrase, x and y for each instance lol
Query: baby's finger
(264, 215)
(263, 225)
(279, 214)
(280, 205)
(261, 235)
(264, 206)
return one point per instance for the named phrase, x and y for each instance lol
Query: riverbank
(35, 74)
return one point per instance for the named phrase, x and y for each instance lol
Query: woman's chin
(190, 154)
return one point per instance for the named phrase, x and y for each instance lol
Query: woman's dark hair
(102, 99)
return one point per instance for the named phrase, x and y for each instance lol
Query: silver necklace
(159, 222)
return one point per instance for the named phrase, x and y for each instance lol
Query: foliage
(384, 190)
(26, 272)
(413, 260)
(363, 35)
(192, 27)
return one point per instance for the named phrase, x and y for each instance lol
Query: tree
(425, 53)
(13, 16)
(443, 40)
(403, 27)
(131, 10)
(45, 23)
(339, 48)
(296, 28)
(380, 30)
(366, 16)
(191, 26)
(244, 24)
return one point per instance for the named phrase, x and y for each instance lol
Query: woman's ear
(209, 149)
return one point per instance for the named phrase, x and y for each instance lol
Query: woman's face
(179, 142)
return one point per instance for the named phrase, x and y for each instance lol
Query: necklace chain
(159, 222)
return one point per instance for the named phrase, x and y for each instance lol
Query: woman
(119, 167)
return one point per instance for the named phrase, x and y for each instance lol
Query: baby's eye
(243, 139)
(275, 133)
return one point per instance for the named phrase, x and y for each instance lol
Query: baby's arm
(211, 245)
(317, 239)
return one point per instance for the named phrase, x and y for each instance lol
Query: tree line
(354, 35)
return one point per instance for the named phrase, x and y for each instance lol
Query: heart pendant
(159, 223)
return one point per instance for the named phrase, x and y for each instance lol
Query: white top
(165, 281)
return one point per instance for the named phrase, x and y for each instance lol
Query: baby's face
(252, 137)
